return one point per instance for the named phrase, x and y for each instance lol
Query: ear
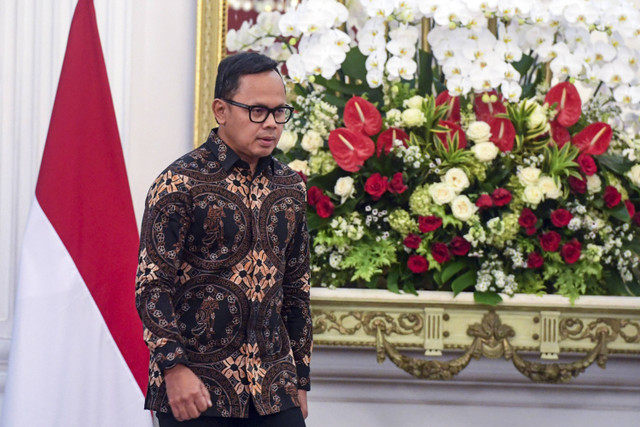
(220, 111)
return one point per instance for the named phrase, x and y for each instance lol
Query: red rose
(530, 231)
(376, 185)
(571, 251)
(501, 197)
(429, 223)
(561, 217)
(314, 194)
(527, 219)
(418, 264)
(587, 164)
(535, 260)
(412, 241)
(396, 185)
(611, 196)
(440, 252)
(459, 246)
(630, 208)
(578, 185)
(484, 201)
(324, 207)
(550, 241)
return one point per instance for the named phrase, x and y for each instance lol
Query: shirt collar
(228, 158)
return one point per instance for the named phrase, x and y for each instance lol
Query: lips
(267, 140)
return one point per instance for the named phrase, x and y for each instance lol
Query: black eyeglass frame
(271, 111)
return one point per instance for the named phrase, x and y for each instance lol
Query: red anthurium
(503, 133)
(559, 134)
(568, 103)
(485, 110)
(350, 149)
(594, 139)
(386, 138)
(453, 105)
(453, 130)
(362, 116)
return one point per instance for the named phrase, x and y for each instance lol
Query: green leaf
(409, 287)
(620, 212)
(523, 65)
(488, 298)
(617, 164)
(314, 222)
(392, 279)
(451, 269)
(334, 100)
(354, 65)
(463, 282)
(341, 87)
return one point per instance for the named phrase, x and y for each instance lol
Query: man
(223, 281)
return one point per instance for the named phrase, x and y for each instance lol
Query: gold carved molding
(435, 321)
(210, 40)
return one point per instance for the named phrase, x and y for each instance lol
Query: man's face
(248, 139)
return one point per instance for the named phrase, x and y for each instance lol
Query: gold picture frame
(210, 41)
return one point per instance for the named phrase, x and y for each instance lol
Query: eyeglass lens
(259, 114)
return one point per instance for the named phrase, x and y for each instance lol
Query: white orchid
(401, 67)
(615, 73)
(511, 90)
(376, 60)
(381, 8)
(403, 41)
(289, 24)
(452, 11)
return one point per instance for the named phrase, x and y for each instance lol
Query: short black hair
(235, 66)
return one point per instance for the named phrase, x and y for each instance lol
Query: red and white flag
(77, 356)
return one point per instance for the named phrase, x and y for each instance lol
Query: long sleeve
(296, 311)
(165, 223)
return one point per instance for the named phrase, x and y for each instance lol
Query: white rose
(456, 179)
(344, 188)
(413, 117)
(634, 175)
(394, 117)
(538, 117)
(462, 208)
(300, 166)
(479, 132)
(485, 151)
(311, 141)
(287, 140)
(532, 194)
(529, 175)
(413, 102)
(441, 193)
(594, 184)
(549, 187)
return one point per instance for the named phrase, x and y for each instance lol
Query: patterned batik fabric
(223, 280)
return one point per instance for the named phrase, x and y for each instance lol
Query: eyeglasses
(259, 113)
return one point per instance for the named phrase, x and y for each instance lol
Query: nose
(271, 120)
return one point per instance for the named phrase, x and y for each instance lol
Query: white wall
(149, 48)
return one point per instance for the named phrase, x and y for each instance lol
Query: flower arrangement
(486, 146)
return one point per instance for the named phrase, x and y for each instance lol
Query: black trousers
(289, 418)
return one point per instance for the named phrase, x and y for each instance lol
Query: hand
(188, 397)
(302, 397)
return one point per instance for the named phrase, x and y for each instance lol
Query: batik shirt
(223, 280)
